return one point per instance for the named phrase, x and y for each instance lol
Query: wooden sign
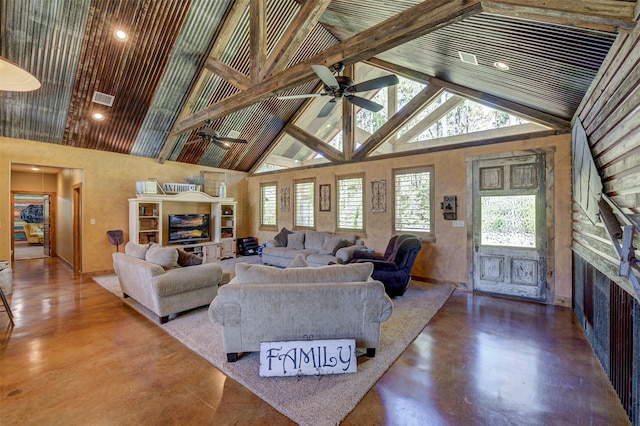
(178, 187)
(308, 357)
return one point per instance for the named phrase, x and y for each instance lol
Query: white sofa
(267, 304)
(318, 248)
(154, 279)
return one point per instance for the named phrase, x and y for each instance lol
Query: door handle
(476, 247)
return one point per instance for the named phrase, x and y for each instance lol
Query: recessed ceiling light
(121, 35)
(98, 116)
(501, 66)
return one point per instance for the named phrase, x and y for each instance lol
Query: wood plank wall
(610, 114)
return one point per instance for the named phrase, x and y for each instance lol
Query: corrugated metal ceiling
(69, 46)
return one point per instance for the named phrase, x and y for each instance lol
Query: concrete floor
(78, 355)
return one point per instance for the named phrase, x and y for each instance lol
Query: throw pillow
(298, 262)
(295, 241)
(351, 239)
(314, 239)
(281, 237)
(262, 274)
(167, 257)
(332, 245)
(136, 250)
(188, 259)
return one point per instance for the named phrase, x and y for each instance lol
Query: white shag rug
(306, 400)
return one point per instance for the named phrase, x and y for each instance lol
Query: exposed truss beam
(231, 22)
(348, 120)
(388, 129)
(604, 15)
(318, 145)
(429, 120)
(290, 42)
(257, 37)
(228, 73)
(408, 25)
(505, 105)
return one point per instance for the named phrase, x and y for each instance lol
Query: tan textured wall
(445, 260)
(108, 181)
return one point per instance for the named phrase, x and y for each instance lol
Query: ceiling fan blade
(376, 83)
(219, 144)
(364, 103)
(310, 95)
(326, 76)
(234, 140)
(326, 110)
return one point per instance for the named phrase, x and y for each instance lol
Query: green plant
(194, 180)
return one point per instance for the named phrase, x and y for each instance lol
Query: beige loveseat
(152, 277)
(317, 248)
(267, 304)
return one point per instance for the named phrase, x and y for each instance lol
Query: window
(268, 211)
(350, 211)
(413, 201)
(303, 207)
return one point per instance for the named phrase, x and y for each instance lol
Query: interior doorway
(33, 216)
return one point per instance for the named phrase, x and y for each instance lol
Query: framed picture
(285, 199)
(325, 198)
(378, 195)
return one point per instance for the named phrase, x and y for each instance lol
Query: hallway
(78, 355)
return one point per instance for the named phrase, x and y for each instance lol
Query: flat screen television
(185, 228)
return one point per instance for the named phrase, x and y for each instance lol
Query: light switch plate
(457, 223)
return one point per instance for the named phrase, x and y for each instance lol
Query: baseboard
(563, 301)
(457, 285)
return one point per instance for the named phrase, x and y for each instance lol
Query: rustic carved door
(509, 230)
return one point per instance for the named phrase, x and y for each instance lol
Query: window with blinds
(303, 204)
(268, 210)
(413, 201)
(350, 200)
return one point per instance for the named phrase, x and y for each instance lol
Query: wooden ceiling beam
(408, 25)
(228, 73)
(302, 24)
(604, 15)
(314, 143)
(257, 37)
(388, 129)
(400, 70)
(429, 120)
(531, 114)
(231, 22)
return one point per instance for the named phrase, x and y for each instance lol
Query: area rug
(307, 400)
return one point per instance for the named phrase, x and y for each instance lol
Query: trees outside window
(303, 205)
(268, 202)
(413, 201)
(350, 202)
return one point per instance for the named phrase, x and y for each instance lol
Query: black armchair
(391, 246)
(395, 271)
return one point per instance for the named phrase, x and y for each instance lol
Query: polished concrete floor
(78, 356)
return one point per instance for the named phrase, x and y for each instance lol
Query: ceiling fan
(343, 87)
(215, 138)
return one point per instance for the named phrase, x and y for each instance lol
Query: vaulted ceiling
(189, 64)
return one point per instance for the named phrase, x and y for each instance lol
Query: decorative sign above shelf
(174, 188)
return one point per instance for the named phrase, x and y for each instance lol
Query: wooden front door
(509, 230)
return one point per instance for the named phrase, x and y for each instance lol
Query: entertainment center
(191, 220)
